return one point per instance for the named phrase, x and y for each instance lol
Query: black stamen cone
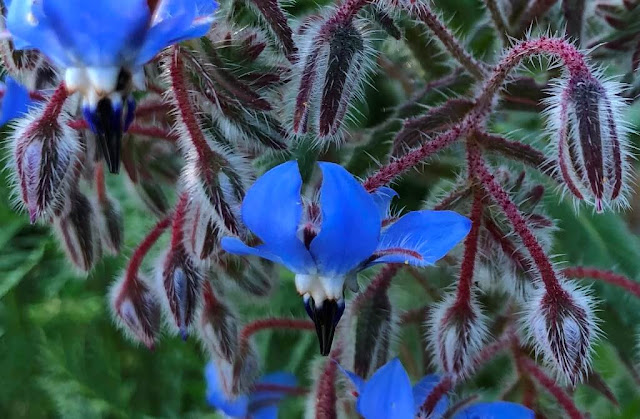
(108, 127)
(326, 319)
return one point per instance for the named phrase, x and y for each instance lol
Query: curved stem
(274, 323)
(143, 248)
(605, 276)
(382, 281)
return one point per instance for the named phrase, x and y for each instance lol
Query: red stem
(295, 391)
(54, 106)
(144, 247)
(101, 189)
(436, 394)
(463, 298)
(547, 382)
(177, 230)
(605, 276)
(500, 196)
(326, 397)
(274, 323)
(184, 108)
(382, 281)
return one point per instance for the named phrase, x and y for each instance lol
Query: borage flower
(102, 45)
(346, 232)
(389, 394)
(261, 403)
(15, 100)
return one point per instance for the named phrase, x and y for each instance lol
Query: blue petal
(99, 32)
(16, 101)
(387, 394)
(176, 21)
(216, 397)
(267, 412)
(31, 29)
(383, 197)
(421, 391)
(422, 237)
(350, 223)
(357, 381)
(283, 379)
(272, 209)
(495, 410)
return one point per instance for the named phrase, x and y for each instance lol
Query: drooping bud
(275, 17)
(246, 369)
(45, 152)
(202, 235)
(136, 309)
(457, 334)
(562, 327)
(111, 225)
(218, 327)
(78, 231)
(182, 281)
(253, 275)
(335, 60)
(592, 150)
(374, 323)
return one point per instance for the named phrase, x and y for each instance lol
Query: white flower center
(320, 288)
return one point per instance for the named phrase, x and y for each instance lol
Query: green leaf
(14, 277)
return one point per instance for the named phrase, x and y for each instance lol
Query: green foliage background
(60, 355)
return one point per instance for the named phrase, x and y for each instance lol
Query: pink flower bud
(590, 142)
(329, 76)
(45, 155)
(136, 309)
(78, 231)
(562, 327)
(457, 334)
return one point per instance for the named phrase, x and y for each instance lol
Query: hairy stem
(143, 248)
(604, 276)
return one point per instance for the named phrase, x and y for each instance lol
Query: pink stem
(141, 251)
(605, 276)
(382, 281)
(463, 297)
(442, 388)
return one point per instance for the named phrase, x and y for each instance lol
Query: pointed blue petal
(31, 29)
(15, 102)
(495, 410)
(387, 394)
(420, 238)
(99, 32)
(272, 209)
(216, 397)
(421, 391)
(350, 223)
(176, 21)
(357, 381)
(383, 197)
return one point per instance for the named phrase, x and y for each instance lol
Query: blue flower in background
(348, 232)
(102, 46)
(15, 101)
(388, 394)
(259, 404)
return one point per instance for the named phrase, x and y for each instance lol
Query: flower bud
(202, 235)
(136, 309)
(335, 59)
(562, 327)
(253, 275)
(110, 223)
(590, 141)
(457, 334)
(246, 370)
(218, 327)
(374, 324)
(181, 279)
(77, 229)
(45, 153)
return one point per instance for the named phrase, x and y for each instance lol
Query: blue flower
(326, 245)
(262, 403)
(102, 45)
(388, 394)
(15, 102)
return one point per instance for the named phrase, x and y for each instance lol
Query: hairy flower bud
(181, 279)
(77, 229)
(45, 153)
(591, 147)
(202, 234)
(218, 327)
(111, 225)
(374, 324)
(335, 60)
(562, 327)
(136, 309)
(457, 333)
(255, 276)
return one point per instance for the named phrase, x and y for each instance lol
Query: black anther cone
(326, 319)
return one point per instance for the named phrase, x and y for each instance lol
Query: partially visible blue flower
(327, 243)
(261, 403)
(388, 394)
(102, 45)
(15, 101)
